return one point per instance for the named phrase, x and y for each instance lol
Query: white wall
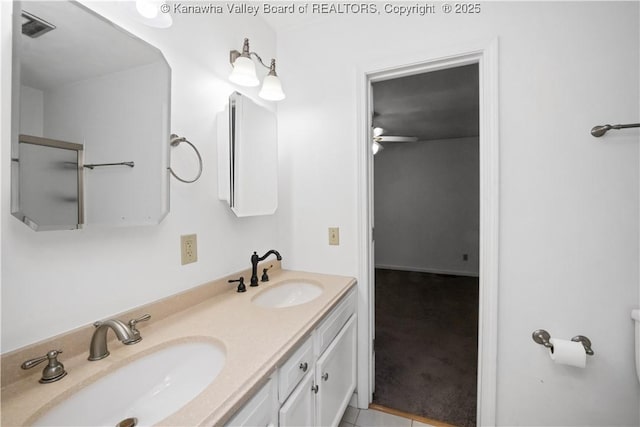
(56, 281)
(31, 111)
(427, 206)
(568, 201)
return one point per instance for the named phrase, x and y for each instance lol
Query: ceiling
(441, 104)
(83, 46)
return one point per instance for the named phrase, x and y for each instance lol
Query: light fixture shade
(244, 72)
(147, 8)
(376, 147)
(148, 12)
(271, 89)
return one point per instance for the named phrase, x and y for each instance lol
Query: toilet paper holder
(542, 337)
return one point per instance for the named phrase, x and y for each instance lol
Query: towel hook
(174, 141)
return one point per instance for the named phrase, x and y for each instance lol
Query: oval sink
(288, 293)
(150, 388)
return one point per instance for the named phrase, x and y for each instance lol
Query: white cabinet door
(260, 410)
(336, 376)
(299, 408)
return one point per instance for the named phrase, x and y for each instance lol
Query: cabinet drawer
(259, 410)
(294, 369)
(330, 327)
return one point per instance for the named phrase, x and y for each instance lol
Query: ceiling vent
(33, 26)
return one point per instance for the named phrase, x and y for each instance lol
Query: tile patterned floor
(354, 417)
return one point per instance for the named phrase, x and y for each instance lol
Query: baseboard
(354, 400)
(429, 270)
(407, 415)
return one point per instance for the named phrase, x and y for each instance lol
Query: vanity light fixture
(152, 13)
(147, 8)
(244, 73)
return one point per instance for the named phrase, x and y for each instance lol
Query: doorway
(426, 215)
(411, 63)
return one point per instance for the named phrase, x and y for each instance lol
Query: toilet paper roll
(565, 352)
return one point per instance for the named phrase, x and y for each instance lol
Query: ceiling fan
(379, 137)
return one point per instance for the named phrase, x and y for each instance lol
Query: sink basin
(288, 293)
(150, 388)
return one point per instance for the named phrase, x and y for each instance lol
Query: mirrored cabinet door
(81, 79)
(248, 157)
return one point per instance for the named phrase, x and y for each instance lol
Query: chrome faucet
(126, 334)
(255, 259)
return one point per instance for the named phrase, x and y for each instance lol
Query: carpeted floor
(426, 345)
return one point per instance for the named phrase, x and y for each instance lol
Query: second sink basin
(149, 388)
(288, 293)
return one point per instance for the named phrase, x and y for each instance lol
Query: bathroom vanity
(313, 386)
(286, 353)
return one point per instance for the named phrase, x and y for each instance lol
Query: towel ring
(174, 141)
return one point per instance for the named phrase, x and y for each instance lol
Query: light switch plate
(189, 248)
(334, 236)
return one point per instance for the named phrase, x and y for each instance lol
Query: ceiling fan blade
(390, 138)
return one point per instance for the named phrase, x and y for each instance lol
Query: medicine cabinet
(247, 157)
(90, 121)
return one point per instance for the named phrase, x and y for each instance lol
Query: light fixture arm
(234, 54)
(260, 60)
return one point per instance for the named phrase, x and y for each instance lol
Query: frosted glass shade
(271, 89)
(376, 147)
(147, 8)
(147, 12)
(244, 72)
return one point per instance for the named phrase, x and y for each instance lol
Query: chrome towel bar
(97, 165)
(598, 131)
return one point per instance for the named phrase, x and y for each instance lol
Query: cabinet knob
(325, 376)
(315, 388)
(304, 366)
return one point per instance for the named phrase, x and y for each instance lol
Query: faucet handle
(136, 338)
(265, 276)
(54, 369)
(241, 286)
(133, 322)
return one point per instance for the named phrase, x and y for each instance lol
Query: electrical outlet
(334, 235)
(189, 248)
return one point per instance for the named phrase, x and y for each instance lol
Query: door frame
(486, 56)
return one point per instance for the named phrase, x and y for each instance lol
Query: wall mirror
(91, 105)
(248, 157)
